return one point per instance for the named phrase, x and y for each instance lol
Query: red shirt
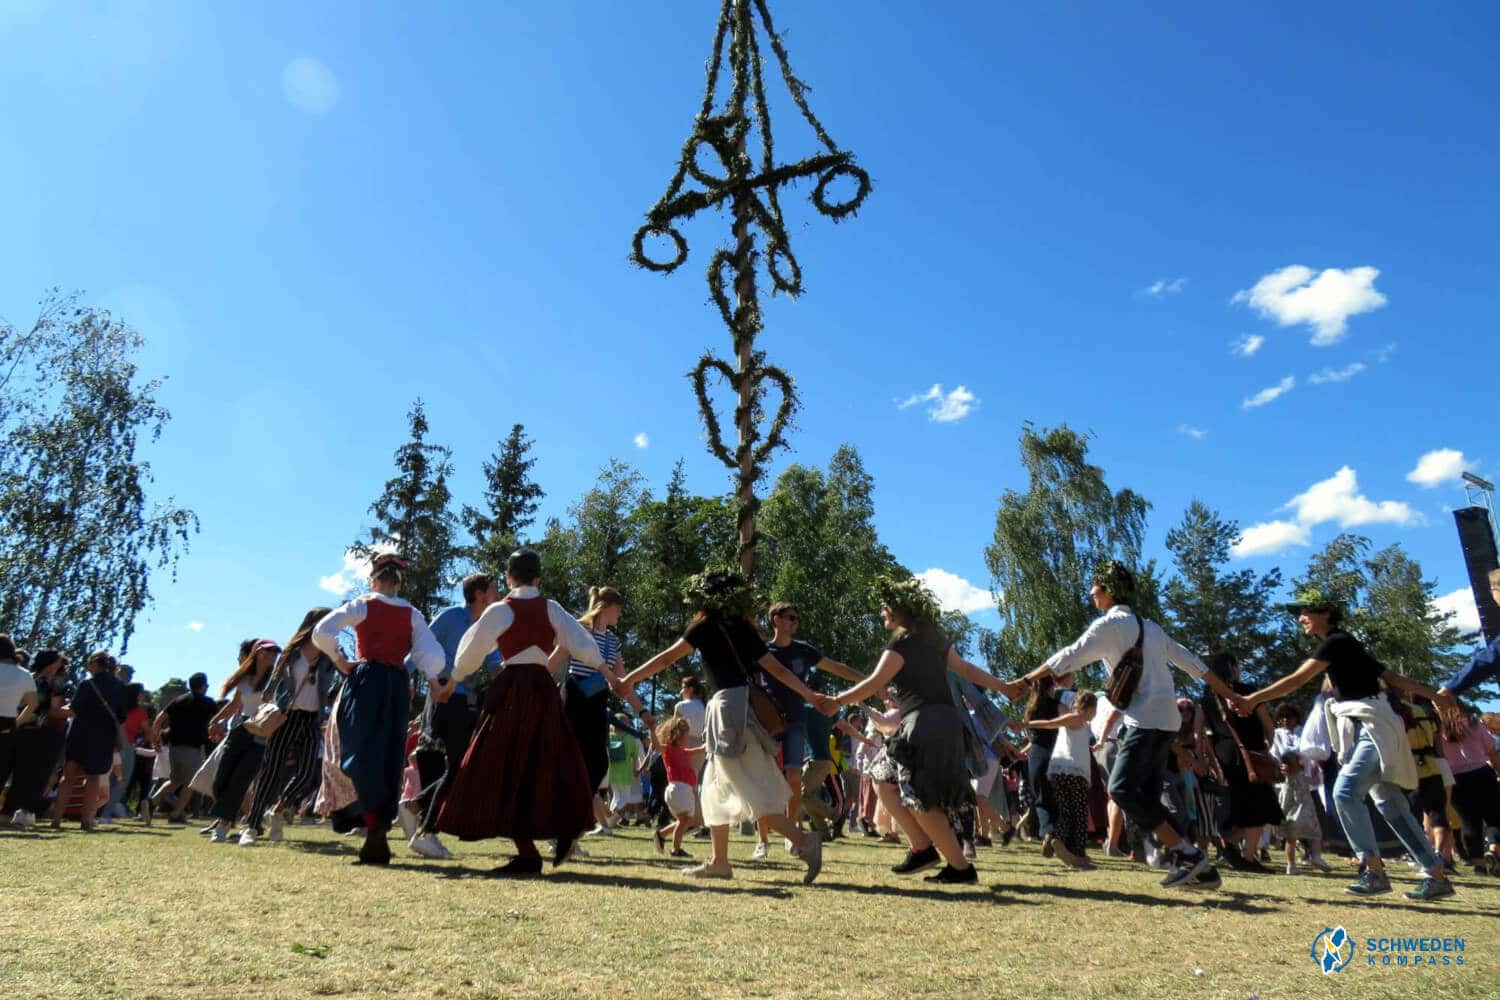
(135, 720)
(679, 766)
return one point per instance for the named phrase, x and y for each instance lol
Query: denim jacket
(326, 680)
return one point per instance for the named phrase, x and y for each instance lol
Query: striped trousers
(280, 781)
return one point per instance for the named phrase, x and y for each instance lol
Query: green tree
(1215, 609)
(413, 518)
(677, 536)
(822, 553)
(1049, 539)
(511, 498)
(1388, 605)
(80, 537)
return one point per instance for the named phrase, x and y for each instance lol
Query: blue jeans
(1361, 777)
(1136, 782)
(1045, 802)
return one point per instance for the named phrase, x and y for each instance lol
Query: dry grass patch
(141, 913)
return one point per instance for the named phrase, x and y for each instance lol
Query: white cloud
(1165, 286)
(1382, 355)
(1249, 344)
(1269, 537)
(1336, 499)
(310, 85)
(356, 570)
(195, 626)
(943, 408)
(954, 593)
(642, 440)
(1337, 375)
(1437, 467)
(1324, 302)
(1269, 394)
(1461, 605)
(1196, 433)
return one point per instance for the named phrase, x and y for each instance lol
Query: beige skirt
(746, 787)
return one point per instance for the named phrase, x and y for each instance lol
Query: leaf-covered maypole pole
(750, 191)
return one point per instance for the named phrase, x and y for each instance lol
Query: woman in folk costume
(375, 704)
(524, 776)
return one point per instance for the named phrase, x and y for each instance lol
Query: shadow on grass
(1238, 901)
(991, 896)
(579, 876)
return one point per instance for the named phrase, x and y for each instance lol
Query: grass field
(159, 912)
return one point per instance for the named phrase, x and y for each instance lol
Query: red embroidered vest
(530, 627)
(385, 634)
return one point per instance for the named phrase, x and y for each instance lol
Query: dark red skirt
(523, 776)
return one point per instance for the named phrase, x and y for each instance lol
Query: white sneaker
(248, 837)
(428, 846)
(762, 851)
(408, 820)
(1291, 867)
(791, 848)
(218, 834)
(22, 819)
(601, 831)
(274, 821)
(706, 870)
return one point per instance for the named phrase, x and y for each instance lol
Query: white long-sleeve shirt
(479, 641)
(1108, 639)
(426, 653)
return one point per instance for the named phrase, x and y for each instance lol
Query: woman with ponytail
(586, 688)
(301, 685)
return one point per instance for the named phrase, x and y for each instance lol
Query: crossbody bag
(1125, 678)
(769, 714)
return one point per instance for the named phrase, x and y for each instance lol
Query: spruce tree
(413, 518)
(1214, 609)
(512, 499)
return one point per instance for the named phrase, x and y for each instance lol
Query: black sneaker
(1007, 836)
(1208, 880)
(954, 876)
(917, 861)
(519, 868)
(983, 842)
(1186, 868)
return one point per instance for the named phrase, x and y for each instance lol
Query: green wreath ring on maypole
(750, 190)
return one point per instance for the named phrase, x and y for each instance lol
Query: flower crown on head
(907, 597)
(721, 590)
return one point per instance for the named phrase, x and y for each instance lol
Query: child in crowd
(1068, 773)
(682, 783)
(1299, 774)
(409, 811)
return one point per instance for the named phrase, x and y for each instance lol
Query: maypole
(749, 189)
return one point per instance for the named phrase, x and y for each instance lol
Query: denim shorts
(793, 742)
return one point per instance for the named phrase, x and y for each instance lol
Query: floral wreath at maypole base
(754, 199)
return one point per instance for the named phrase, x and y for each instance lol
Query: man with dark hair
(186, 720)
(1140, 766)
(447, 727)
(805, 757)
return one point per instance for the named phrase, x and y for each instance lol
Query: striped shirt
(609, 651)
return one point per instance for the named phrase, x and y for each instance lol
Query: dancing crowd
(520, 736)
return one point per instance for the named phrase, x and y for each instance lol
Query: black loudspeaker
(1477, 538)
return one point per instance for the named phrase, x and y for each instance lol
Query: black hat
(523, 564)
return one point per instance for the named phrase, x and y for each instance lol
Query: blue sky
(318, 213)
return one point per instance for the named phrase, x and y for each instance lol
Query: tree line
(81, 536)
(821, 549)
